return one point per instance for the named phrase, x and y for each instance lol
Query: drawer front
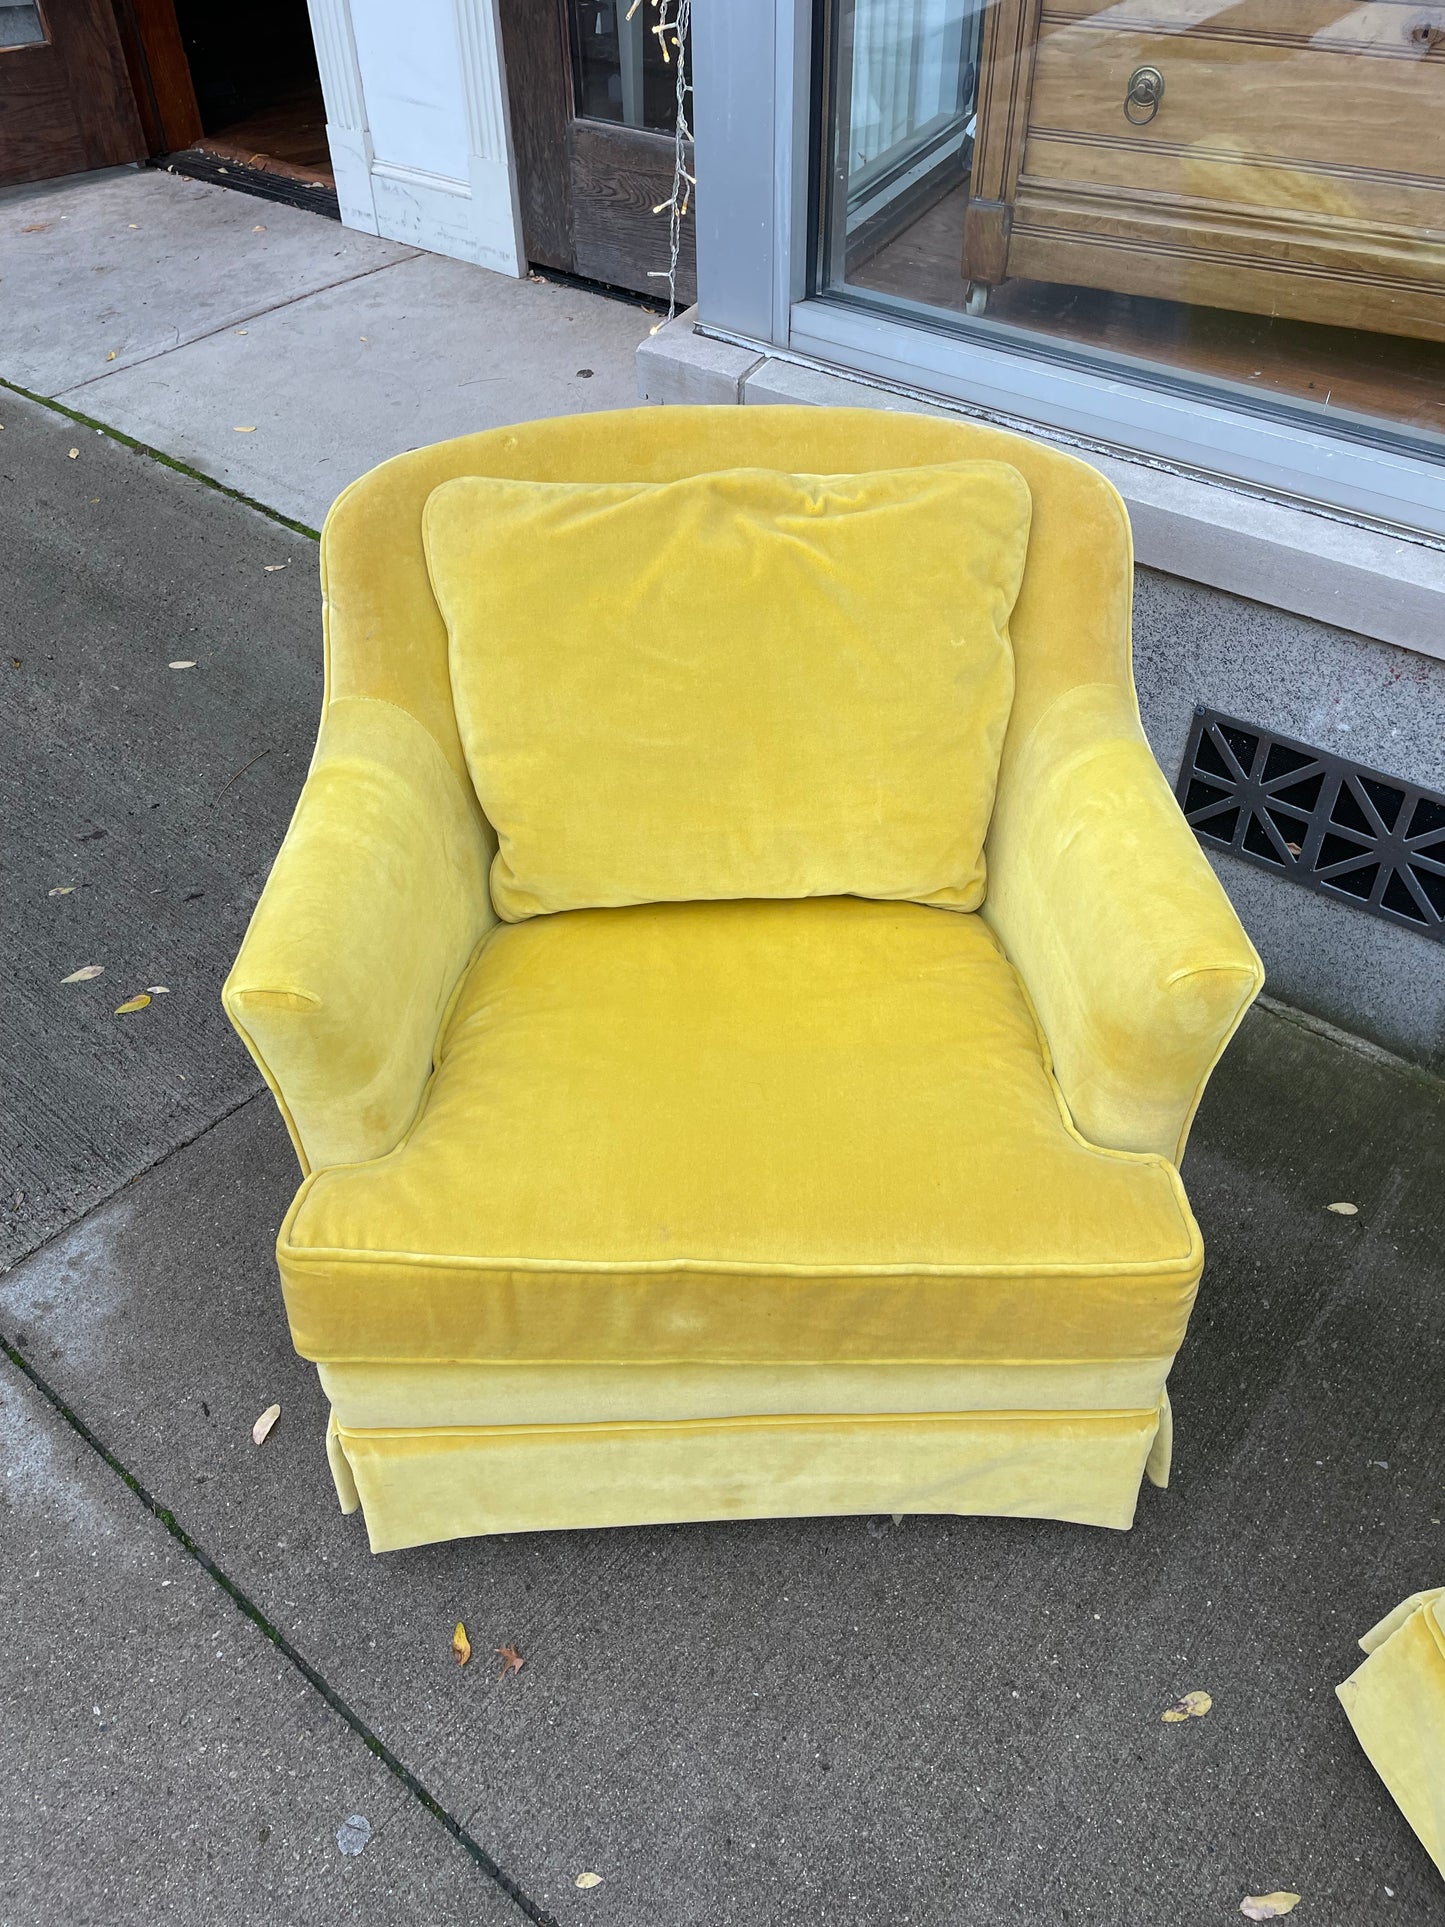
(1329, 111)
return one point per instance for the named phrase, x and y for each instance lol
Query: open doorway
(258, 89)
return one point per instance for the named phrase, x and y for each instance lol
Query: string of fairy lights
(672, 27)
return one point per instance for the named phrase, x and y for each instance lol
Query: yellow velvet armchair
(735, 1209)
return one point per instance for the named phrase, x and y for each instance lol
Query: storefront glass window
(1243, 196)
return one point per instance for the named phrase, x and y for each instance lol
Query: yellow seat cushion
(740, 684)
(742, 1132)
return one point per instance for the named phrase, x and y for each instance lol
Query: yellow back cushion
(742, 684)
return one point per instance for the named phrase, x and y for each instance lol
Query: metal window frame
(756, 96)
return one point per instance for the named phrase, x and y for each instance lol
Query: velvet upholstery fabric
(826, 717)
(1133, 956)
(742, 1132)
(340, 1007)
(387, 1396)
(437, 1482)
(1089, 1002)
(1396, 1703)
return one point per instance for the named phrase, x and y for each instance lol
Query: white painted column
(345, 117)
(493, 169)
(417, 118)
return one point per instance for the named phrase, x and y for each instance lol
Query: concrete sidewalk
(274, 350)
(163, 1761)
(938, 1724)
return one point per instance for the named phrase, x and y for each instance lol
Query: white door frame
(476, 217)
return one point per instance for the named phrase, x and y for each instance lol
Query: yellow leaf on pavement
(61, 890)
(245, 428)
(181, 665)
(589, 1880)
(461, 1645)
(1344, 1210)
(132, 1003)
(71, 454)
(84, 974)
(1191, 1706)
(1268, 1906)
(261, 1430)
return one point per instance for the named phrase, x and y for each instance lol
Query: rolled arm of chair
(374, 905)
(1138, 967)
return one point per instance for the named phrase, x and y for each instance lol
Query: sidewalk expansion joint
(250, 1610)
(238, 320)
(168, 1151)
(159, 455)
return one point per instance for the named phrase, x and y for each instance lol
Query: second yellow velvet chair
(777, 1150)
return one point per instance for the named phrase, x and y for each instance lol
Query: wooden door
(593, 114)
(66, 102)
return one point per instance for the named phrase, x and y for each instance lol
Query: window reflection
(1245, 193)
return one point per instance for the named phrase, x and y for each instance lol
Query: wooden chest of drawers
(1282, 157)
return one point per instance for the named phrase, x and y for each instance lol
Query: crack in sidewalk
(250, 1610)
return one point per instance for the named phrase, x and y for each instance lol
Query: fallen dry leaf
(181, 665)
(274, 568)
(1268, 1906)
(1344, 1210)
(461, 1645)
(72, 454)
(132, 1003)
(158, 990)
(1191, 1706)
(61, 890)
(84, 974)
(512, 1661)
(244, 428)
(588, 1880)
(35, 227)
(259, 229)
(112, 355)
(261, 1430)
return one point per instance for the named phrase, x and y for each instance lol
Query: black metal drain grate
(1332, 825)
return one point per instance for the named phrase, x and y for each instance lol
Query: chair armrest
(371, 911)
(1137, 965)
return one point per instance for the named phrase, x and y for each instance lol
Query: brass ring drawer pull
(1143, 95)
